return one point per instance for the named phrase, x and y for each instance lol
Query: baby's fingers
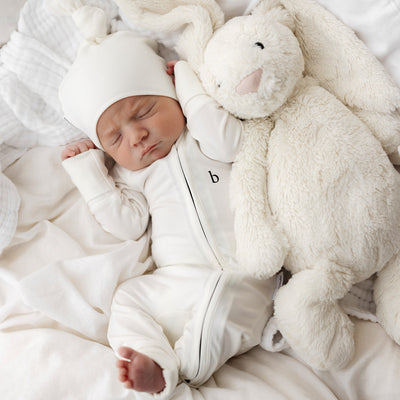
(68, 152)
(84, 145)
(171, 67)
(77, 148)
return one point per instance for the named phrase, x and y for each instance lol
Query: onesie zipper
(213, 318)
(199, 219)
(197, 346)
(214, 312)
(208, 344)
(218, 258)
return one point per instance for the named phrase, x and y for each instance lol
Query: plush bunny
(314, 187)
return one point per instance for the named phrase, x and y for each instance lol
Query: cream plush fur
(314, 187)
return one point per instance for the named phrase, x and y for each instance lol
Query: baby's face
(138, 130)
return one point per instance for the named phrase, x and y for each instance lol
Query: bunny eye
(218, 84)
(259, 44)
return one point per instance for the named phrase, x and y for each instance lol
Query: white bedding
(59, 272)
(9, 12)
(56, 283)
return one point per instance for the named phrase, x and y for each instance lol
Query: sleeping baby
(170, 180)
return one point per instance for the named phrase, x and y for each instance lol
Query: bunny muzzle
(250, 83)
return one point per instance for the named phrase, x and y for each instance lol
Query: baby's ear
(274, 11)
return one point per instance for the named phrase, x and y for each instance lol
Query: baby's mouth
(148, 149)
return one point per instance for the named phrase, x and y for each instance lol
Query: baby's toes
(127, 353)
(128, 384)
(121, 364)
(123, 375)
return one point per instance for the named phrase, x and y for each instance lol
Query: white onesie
(195, 311)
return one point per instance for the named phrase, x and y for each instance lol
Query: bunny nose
(250, 83)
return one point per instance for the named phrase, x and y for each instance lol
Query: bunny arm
(261, 246)
(385, 127)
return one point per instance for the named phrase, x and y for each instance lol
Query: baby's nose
(137, 136)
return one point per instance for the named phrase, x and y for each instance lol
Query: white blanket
(60, 269)
(57, 279)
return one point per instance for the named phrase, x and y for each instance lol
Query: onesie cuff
(89, 174)
(171, 382)
(189, 89)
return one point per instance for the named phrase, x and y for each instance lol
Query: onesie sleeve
(121, 211)
(218, 132)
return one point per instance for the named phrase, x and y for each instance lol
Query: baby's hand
(73, 150)
(170, 69)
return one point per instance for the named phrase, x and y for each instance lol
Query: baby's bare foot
(141, 373)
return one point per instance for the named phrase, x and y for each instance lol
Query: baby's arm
(121, 211)
(218, 132)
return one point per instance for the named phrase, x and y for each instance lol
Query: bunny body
(331, 186)
(313, 187)
(336, 196)
(333, 211)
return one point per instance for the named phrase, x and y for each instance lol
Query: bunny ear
(340, 61)
(91, 21)
(165, 6)
(195, 20)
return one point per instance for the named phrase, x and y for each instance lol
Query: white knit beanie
(107, 68)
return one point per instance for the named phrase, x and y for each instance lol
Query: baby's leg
(141, 373)
(133, 325)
